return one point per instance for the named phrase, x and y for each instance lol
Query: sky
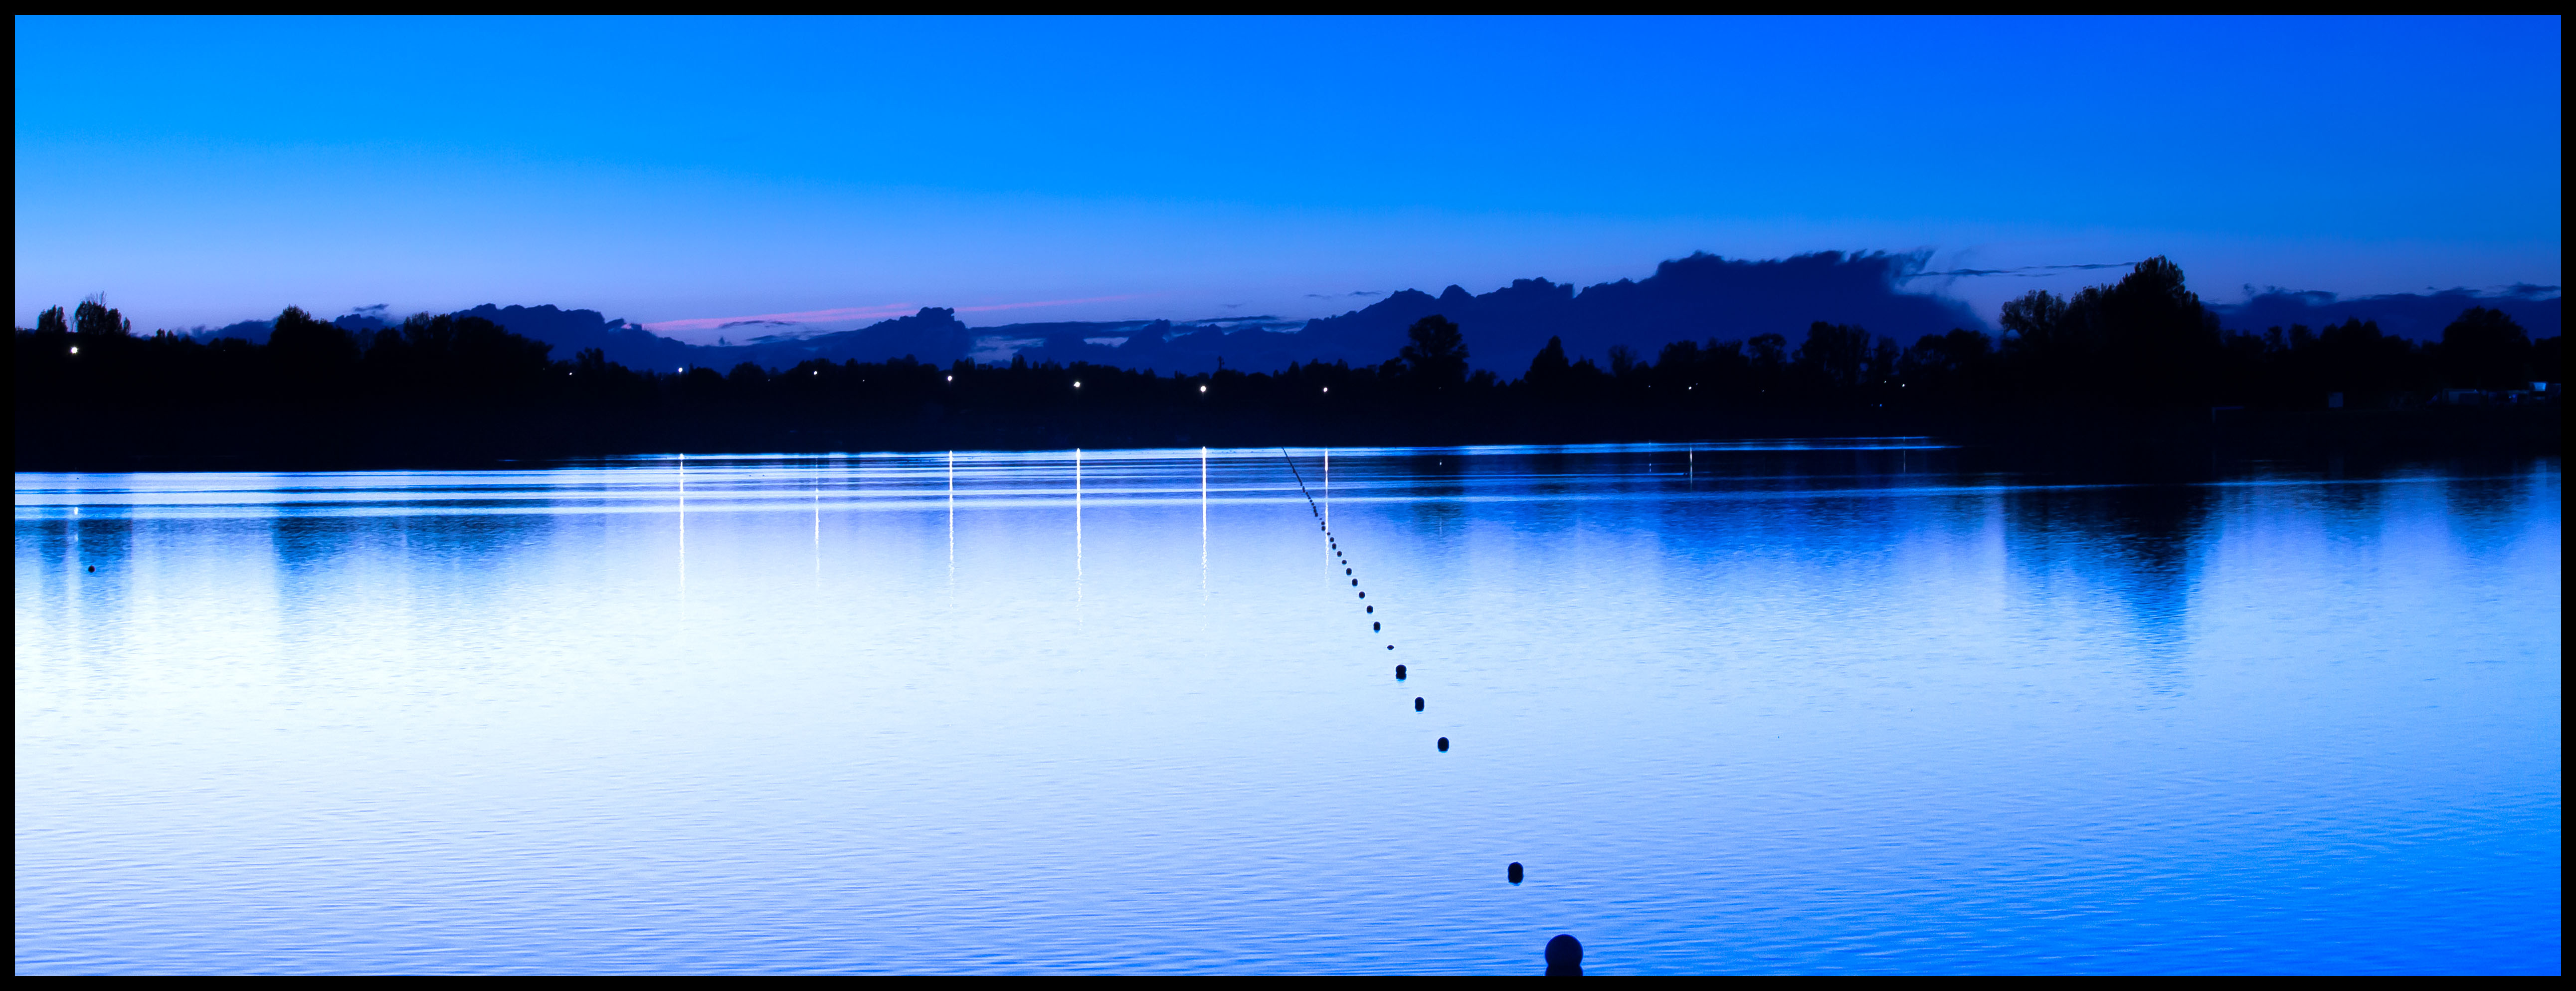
(685, 173)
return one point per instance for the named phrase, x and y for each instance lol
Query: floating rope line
(1324, 524)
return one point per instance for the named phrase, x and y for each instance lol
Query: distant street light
(1203, 388)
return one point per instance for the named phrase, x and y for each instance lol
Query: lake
(1825, 706)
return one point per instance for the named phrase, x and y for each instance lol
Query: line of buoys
(1564, 953)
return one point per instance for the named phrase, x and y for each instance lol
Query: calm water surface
(1755, 707)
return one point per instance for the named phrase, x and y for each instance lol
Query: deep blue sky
(201, 171)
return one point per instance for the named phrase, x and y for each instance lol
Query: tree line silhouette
(461, 388)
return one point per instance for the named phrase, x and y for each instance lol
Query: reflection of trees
(2133, 543)
(2486, 505)
(66, 547)
(329, 566)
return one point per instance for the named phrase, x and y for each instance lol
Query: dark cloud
(365, 318)
(1702, 296)
(1688, 298)
(2419, 316)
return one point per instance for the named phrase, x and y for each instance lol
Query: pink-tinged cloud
(859, 313)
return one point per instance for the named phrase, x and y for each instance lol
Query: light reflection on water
(1753, 707)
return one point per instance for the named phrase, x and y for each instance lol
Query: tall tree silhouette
(312, 357)
(1549, 370)
(1435, 354)
(2035, 331)
(2485, 349)
(2145, 340)
(2161, 343)
(94, 319)
(1838, 354)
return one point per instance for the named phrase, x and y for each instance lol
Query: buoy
(1356, 581)
(1399, 672)
(1513, 872)
(1372, 627)
(1564, 956)
(1417, 703)
(1346, 571)
(1444, 744)
(1371, 608)
(93, 569)
(1390, 646)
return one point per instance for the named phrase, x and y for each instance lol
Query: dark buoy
(1513, 873)
(1444, 744)
(1346, 571)
(1355, 583)
(1564, 956)
(93, 569)
(1417, 703)
(1372, 627)
(1371, 609)
(1390, 646)
(1399, 672)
